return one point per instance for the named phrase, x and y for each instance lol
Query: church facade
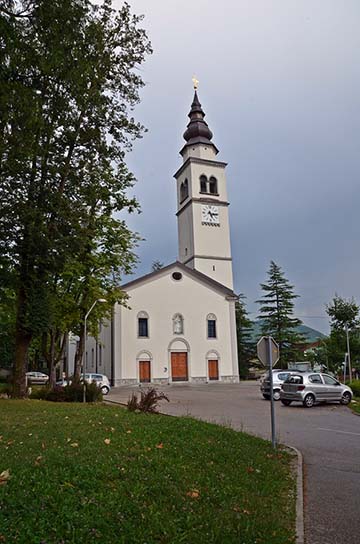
(179, 325)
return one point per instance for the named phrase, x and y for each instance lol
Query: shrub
(70, 393)
(148, 402)
(355, 386)
(132, 403)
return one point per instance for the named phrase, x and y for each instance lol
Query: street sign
(263, 351)
(268, 353)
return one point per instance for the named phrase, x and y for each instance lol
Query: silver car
(279, 376)
(312, 387)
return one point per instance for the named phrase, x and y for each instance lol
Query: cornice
(205, 200)
(197, 160)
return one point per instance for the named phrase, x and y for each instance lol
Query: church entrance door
(179, 367)
(144, 371)
(213, 369)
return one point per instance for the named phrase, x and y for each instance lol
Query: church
(179, 325)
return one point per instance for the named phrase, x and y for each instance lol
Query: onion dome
(197, 130)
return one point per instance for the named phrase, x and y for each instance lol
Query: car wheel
(286, 402)
(104, 390)
(266, 397)
(346, 398)
(276, 394)
(309, 401)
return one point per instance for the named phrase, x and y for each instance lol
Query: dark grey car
(312, 387)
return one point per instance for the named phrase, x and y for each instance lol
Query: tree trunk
(52, 367)
(79, 354)
(22, 342)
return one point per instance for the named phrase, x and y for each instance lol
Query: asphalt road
(327, 435)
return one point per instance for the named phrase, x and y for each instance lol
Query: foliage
(355, 386)
(102, 470)
(69, 80)
(70, 393)
(157, 265)
(277, 314)
(148, 403)
(245, 346)
(132, 403)
(343, 313)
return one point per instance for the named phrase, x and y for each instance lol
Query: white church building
(180, 323)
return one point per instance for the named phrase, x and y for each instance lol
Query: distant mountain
(311, 335)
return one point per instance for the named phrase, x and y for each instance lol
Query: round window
(177, 276)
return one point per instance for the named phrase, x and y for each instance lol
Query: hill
(311, 335)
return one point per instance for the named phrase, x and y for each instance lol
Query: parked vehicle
(279, 376)
(101, 381)
(37, 378)
(312, 387)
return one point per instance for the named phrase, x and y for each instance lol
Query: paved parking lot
(327, 435)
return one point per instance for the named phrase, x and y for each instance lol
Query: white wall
(162, 298)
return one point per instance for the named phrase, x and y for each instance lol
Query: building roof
(197, 131)
(203, 278)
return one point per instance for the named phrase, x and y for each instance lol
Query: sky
(279, 81)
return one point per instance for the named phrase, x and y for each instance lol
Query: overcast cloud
(280, 84)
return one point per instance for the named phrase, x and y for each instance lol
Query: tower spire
(197, 131)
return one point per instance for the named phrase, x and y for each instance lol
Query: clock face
(210, 215)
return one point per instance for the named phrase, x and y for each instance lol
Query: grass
(355, 406)
(97, 473)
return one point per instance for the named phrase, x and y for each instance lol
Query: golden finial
(195, 82)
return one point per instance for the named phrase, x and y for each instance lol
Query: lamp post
(101, 301)
(348, 351)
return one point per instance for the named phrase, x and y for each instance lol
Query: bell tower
(202, 204)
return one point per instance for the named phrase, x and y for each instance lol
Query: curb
(299, 507)
(299, 496)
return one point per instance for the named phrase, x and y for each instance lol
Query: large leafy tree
(68, 83)
(277, 314)
(344, 323)
(245, 344)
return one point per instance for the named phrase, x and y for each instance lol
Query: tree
(344, 317)
(157, 265)
(277, 314)
(67, 87)
(245, 345)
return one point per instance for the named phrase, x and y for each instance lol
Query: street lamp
(101, 301)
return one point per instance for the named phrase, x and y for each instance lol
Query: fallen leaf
(38, 459)
(4, 477)
(250, 469)
(112, 429)
(128, 432)
(43, 446)
(74, 445)
(160, 446)
(193, 493)
(107, 441)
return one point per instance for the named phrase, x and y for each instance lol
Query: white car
(37, 378)
(101, 381)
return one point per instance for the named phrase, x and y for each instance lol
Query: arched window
(203, 184)
(178, 324)
(213, 186)
(143, 325)
(184, 190)
(211, 326)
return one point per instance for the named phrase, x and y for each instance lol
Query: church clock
(210, 215)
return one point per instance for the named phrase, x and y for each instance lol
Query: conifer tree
(245, 345)
(277, 314)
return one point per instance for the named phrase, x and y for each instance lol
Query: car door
(317, 386)
(333, 390)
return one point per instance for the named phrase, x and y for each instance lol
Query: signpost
(268, 354)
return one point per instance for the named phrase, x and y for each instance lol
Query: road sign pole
(272, 407)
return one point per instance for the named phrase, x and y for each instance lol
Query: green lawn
(98, 473)
(355, 406)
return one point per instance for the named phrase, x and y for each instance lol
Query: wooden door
(213, 369)
(144, 371)
(179, 368)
